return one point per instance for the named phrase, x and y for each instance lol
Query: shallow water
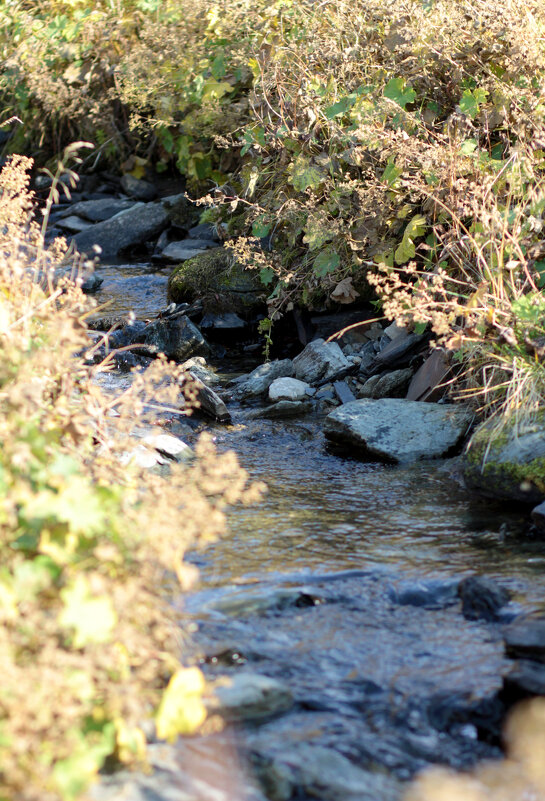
(342, 584)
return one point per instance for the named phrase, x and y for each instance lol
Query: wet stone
(526, 638)
(281, 409)
(134, 226)
(526, 678)
(482, 598)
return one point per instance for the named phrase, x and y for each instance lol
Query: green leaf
(326, 262)
(391, 173)
(406, 250)
(181, 710)
(91, 618)
(397, 90)
(261, 227)
(419, 328)
(217, 68)
(316, 232)
(74, 774)
(266, 275)
(471, 101)
(305, 175)
(340, 107)
(214, 90)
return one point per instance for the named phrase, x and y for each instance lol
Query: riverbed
(342, 585)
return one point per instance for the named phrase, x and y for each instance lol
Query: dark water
(342, 584)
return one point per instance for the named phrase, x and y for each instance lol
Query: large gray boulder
(398, 430)
(508, 463)
(320, 361)
(137, 224)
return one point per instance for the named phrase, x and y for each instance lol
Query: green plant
(92, 546)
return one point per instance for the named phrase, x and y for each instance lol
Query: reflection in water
(327, 512)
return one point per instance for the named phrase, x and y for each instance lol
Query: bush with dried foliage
(92, 546)
(400, 141)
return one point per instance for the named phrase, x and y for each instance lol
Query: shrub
(92, 547)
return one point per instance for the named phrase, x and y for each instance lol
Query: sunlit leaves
(472, 100)
(305, 175)
(90, 618)
(399, 92)
(406, 250)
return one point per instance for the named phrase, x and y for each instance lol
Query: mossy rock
(224, 285)
(508, 463)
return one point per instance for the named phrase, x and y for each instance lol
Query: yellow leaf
(181, 710)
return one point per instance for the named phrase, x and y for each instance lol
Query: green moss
(217, 278)
(489, 470)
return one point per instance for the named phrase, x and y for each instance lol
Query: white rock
(170, 446)
(288, 389)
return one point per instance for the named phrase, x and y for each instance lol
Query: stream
(342, 585)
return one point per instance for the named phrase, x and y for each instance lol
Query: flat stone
(73, 224)
(343, 392)
(280, 409)
(320, 361)
(138, 224)
(398, 430)
(249, 696)
(288, 389)
(399, 350)
(210, 402)
(426, 383)
(395, 331)
(526, 638)
(101, 209)
(184, 249)
(259, 380)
